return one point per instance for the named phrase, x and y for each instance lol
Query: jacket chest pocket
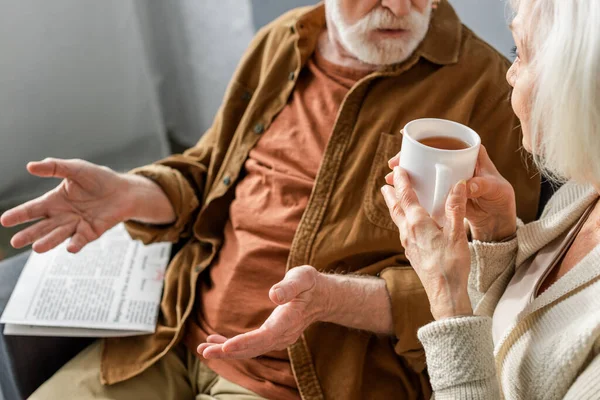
(375, 207)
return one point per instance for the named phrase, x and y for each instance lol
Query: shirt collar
(440, 46)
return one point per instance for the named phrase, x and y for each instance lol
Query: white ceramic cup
(434, 172)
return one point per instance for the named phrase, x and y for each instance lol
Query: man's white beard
(357, 41)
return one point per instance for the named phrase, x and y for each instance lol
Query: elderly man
(290, 282)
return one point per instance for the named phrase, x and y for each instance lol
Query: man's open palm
(87, 203)
(299, 304)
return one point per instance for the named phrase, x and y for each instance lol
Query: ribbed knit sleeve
(460, 358)
(492, 266)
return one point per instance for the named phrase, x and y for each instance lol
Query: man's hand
(89, 200)
(301, 298)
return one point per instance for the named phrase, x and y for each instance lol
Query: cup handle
(443, 185)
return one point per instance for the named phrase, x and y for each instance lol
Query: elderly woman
(518, 309)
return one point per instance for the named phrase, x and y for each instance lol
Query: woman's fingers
(394, 161)
(456, 210)
(396, 213)
(481, 187)
(407, 198)
(485, 163)
(54, 238)
(389, 178)
(33, 233)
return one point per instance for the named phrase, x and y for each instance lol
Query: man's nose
(400, 8)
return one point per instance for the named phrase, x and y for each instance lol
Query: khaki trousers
(179, 375)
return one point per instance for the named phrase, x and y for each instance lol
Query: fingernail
(473, 187)
(383, 191)
(389, 175)
(460, 187)
(279, 294)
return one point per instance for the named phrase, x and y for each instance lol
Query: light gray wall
(264, 11)
(74, 82)
(488, 19)
(194, 47)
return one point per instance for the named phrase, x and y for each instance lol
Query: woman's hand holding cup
(439, 255)
(491, 207)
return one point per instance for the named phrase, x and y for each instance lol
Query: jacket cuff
(410, 311)
(459, 351)
(182, 197)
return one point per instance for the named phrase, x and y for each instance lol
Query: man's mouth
(391, 33)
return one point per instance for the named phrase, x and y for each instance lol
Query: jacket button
(259, 128)
(246, 96)
(292, 76)
(227, 180)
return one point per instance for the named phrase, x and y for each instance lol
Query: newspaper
(112, 287)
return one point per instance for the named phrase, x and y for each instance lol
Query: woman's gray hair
(563, 41)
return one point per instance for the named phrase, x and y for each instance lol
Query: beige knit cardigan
(551, 352)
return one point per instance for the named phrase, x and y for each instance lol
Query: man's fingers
(54, 238)
(77, 243)
(34, 232)
(296, 281)
(54, 168)
(216, 352)
(202, 347)
(218, 339)
(30, 211)
(456, 209)
(212, 340)
(258, 339)
(211, 351)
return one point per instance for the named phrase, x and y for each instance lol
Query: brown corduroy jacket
(346, 227)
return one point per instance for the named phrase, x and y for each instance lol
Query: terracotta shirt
(345, 227)
(233, 294)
